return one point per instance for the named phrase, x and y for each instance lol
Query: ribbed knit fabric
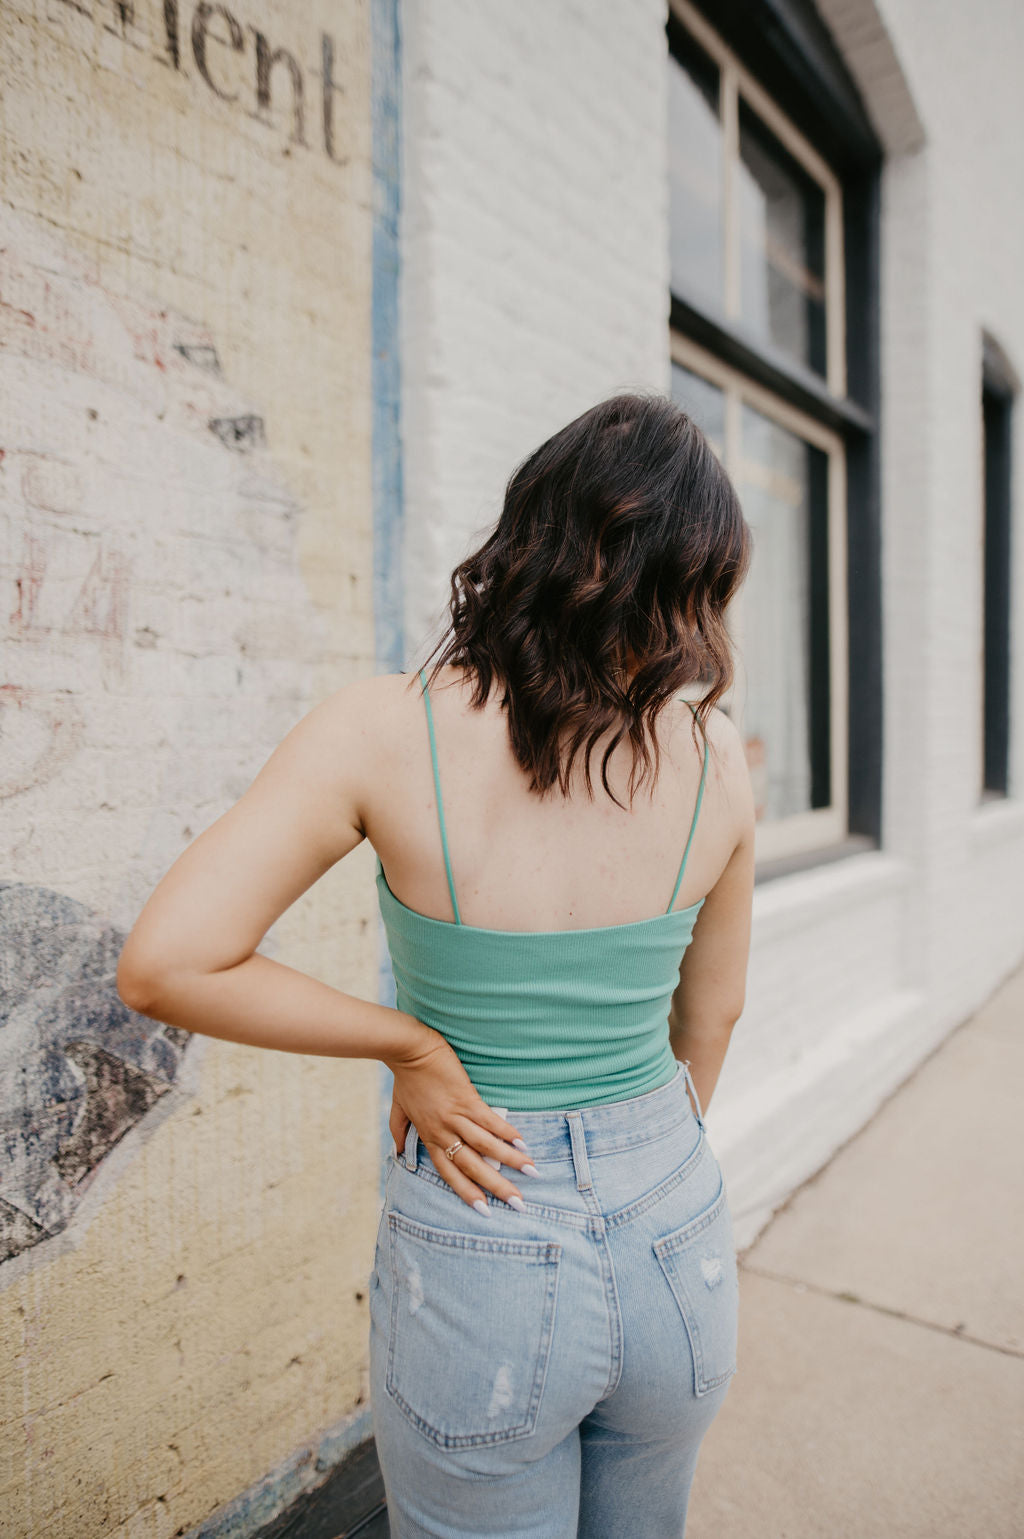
(543, 1019)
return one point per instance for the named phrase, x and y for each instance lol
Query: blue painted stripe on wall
(389, 640)
(387, 459)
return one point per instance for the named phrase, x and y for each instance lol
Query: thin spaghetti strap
(693, 825)
(440, 803)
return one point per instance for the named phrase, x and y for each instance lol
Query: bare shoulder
(351, 731)
(369, 705)
(729, 758)
(724, 737)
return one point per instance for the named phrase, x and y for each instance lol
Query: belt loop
(579, 1151)
(411, 1140)
(696, 1099)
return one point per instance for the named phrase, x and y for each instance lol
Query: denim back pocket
(470, 1332)
(699, 1262)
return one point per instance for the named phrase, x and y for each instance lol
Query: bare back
(525, 862)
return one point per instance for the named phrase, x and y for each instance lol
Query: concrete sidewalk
(880, 1391)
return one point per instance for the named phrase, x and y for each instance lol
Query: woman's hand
(433, 1091)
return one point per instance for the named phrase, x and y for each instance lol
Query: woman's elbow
(138, 985)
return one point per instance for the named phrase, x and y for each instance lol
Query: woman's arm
(190, 959)
(709, 997)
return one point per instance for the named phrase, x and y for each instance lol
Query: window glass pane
(703, 401)
(784, 648)
(695, 172)
(782, 240)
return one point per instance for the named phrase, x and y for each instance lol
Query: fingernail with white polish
(517, 1203)
(481, 1207)
(518, 1142)
(531, 1170)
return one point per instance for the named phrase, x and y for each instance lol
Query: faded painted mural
(155, 562)
(97, 619)
(77, 1068)
(186, 568)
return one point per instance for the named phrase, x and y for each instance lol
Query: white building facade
(803, 223)
(289, 288)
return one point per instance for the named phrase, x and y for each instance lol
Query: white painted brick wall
(535, 273)
(535, 279)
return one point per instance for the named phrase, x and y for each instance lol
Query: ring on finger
(450, 1151)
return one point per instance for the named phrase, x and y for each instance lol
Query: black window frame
(999, 388)
(787, 48)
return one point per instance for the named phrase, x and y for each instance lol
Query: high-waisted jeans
(552, 1373)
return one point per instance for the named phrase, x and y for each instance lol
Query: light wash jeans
(552, 1373)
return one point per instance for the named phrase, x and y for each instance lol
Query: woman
(565, 870)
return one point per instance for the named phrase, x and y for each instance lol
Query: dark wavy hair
(600, 593)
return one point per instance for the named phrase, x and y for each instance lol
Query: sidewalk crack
(958, 1332)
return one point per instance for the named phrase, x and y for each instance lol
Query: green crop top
(543, 1019)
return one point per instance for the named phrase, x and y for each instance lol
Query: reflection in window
(695, 172)
(782, 484)
(782, 235)
(702, 401)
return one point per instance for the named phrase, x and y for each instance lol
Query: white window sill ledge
(780, 902)
(995, 820)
